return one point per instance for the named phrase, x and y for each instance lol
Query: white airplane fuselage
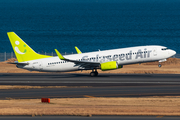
(123, 56)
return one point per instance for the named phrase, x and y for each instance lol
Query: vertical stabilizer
(22, 51)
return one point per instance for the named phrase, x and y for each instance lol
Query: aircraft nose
(173, 52)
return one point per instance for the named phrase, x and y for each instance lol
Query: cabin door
(40, 65)
(154, 51)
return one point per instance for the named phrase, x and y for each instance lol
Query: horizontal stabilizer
(18, 63)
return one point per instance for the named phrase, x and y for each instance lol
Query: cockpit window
(164, 48)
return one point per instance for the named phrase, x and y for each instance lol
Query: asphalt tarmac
(104, 85)
(77, 79)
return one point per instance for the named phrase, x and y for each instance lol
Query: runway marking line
(89, 96)
(159, 116)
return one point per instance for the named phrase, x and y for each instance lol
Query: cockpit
(164, 48)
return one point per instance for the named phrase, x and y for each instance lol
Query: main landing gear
(94, 73)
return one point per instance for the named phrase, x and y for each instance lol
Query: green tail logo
(17, 49)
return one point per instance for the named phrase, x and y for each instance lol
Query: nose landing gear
(159, 65)
(94, 73)
(163, 60)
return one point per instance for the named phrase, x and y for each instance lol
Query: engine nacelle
(111, 65)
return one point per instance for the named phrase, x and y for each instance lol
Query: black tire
(92, 74)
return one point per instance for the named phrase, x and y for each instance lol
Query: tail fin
(22, 51)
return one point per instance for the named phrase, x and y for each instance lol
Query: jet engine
(111, 65)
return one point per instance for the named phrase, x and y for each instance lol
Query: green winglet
(59, 55)
(78, 51)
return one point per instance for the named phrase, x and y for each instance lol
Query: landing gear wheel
(159, 65)
(92, 74)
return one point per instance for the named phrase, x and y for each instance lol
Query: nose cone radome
(172, 52)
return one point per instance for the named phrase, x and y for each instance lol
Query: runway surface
(105, 85)
(76, 79)
(92, 91)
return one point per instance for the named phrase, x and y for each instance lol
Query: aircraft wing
(82, 63)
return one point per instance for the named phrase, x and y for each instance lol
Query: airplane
(104, 60)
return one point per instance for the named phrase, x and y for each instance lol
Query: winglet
(78, 51)
(59, 55)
